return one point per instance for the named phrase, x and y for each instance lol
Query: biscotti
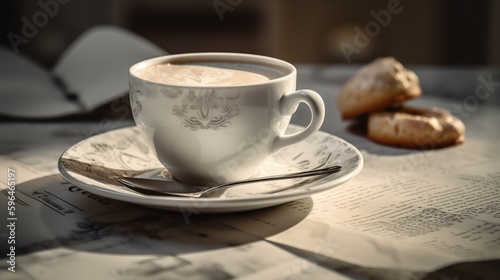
(380, 84)
(411, 127)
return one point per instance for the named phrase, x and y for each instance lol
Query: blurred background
(433, 32)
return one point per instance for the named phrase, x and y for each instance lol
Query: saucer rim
(210, 204)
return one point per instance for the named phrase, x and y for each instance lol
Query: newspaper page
(416, 210)
(407, 211)
(56, 230)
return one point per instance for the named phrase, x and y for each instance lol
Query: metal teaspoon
(176, 188)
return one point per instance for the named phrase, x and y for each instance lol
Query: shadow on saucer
(58, 215)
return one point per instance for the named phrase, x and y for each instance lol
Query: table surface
(314, 238)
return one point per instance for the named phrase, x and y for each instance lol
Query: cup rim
(217, 57)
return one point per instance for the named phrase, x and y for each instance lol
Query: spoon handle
(326, 170)
(180, 189)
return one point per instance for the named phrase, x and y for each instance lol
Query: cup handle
(288, 105)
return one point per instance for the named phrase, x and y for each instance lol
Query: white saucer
(95, 163)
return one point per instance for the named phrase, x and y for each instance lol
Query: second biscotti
(416, 128)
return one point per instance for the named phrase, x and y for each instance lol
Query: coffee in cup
(215, 117)
(208, 74)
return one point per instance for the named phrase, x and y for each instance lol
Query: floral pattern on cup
(206, 111)
(171, 92)
(135, 104)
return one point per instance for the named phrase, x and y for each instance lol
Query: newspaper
(406, 214)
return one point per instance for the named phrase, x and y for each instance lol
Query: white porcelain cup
(216, 133)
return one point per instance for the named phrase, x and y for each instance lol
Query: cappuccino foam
(209, 74)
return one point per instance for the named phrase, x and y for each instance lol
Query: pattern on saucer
(95, 163)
